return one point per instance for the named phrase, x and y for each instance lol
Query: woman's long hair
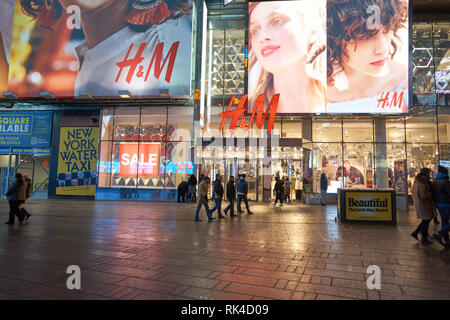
(348, 20)
(313, 20)
(177, 8)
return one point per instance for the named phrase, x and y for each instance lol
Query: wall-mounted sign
(77, 161)
(237, 117)
(25, 129)
(139, 159)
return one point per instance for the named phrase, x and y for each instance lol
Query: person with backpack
(218, 195)
(242, 191)
(28, 188)
(279, 189)
(441, 196)
(423, 202)
(16, 196)
(231, 196)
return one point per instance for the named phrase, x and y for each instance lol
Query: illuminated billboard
(6, 24)
(335, 56)
(101, 48)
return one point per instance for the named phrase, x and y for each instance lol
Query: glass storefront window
(181, 118)
(358, 130)
(421, 129)
(327, 130)
(326, 158)
(420, 155)
(291, 128)
(422, 57)
(126, 124)
(395, 130)
(107, 124)
(358, 165)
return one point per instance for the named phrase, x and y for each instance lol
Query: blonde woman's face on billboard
(86, 5)
(277, 37)
(370, 56)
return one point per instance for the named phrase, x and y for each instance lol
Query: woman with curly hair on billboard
(287, 54)
(121, 39)
(366, 72)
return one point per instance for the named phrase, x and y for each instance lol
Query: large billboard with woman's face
(6, 24)
(330, 56)
(101, 48)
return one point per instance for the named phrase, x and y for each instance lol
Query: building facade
(147, 146)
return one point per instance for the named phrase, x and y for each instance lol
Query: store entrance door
(289, 168)
(235, 167)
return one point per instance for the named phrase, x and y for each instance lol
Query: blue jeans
(240, 198)
(230, 207)
(218, 206)
(444, 212)
(199, 206)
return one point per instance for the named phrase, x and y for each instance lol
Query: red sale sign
(139, 159)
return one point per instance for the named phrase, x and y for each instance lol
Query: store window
(291, 127)
(421, 129)
(326, 158)
(356, 130)
(327, 130)
(149, 149)
(395, 130)
(358, 165)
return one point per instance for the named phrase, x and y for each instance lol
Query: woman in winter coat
(16, 196)
(423, 202)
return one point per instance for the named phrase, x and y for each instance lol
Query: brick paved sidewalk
(142, 250)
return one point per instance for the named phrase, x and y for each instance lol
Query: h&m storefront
(370, 121)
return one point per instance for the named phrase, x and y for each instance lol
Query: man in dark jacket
(192, 186)
(231, 196)
(182, 190)
(16, 196)
(279, 189)
(218, 195)
(441, 197)
(242, 190)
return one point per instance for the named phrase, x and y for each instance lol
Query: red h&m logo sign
(261, 116)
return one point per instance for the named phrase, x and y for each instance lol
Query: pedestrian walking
(192, 188)
(203, 188)
(231, 196)
(441, 197)
(242, 191)
(218, 195)
(182, 190)
(28, 188)
(287, 190)
(423, 202)
(323, 189)
(279, 189)
(16, 196)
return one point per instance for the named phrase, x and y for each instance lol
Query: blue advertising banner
(26, 129)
